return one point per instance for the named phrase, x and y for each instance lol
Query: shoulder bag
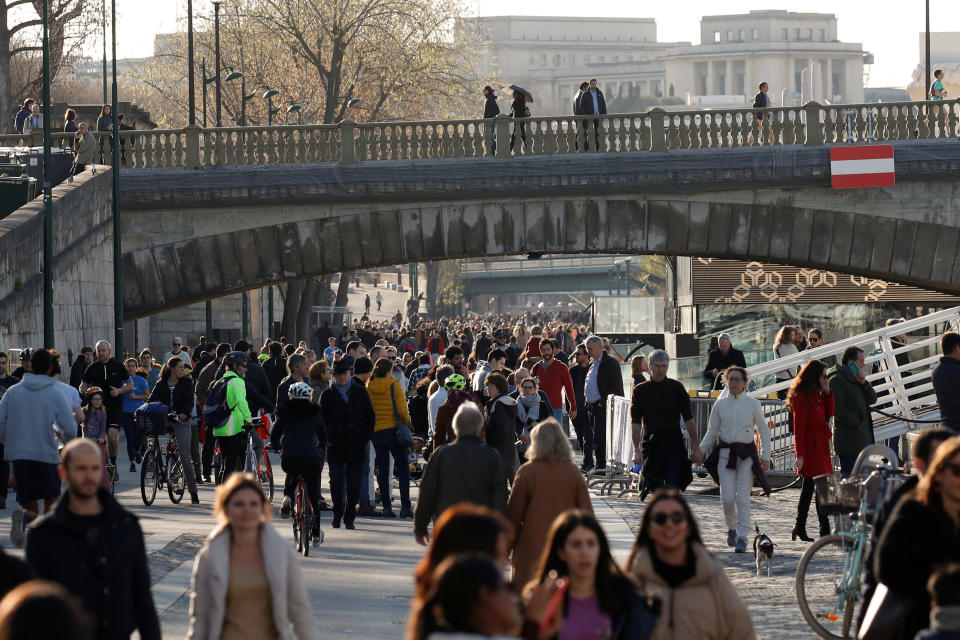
(404, 434)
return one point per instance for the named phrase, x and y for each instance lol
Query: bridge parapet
(656, 131)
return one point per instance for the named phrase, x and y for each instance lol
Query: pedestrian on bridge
(490, 110)
(720, 359)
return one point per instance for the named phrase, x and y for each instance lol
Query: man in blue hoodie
(28, 411)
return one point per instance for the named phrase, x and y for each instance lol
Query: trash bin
(16, 192)
(12, 170)
(61, 161)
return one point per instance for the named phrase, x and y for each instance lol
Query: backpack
(216, 412)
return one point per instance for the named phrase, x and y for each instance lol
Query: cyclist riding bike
(300, 433)
(230, 436)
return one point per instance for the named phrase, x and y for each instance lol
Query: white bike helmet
(300, 391)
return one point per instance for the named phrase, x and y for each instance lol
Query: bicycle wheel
(149, 477)
(828, 587)
(306, 524)
(175, 479)
(218, 468)
(265, 475)
(296, 521)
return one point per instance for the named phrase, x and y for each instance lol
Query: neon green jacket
(237, 402)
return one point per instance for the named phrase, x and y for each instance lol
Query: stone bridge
(191, 235)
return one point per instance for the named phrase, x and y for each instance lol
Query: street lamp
(48, 189)
(295, 107)
(244, 98)
(268, 96)
(216, 52)
(191, 93)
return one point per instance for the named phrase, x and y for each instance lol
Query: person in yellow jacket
(230, 437)
(389, 406)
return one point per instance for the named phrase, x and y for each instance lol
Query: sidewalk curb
(619, 536)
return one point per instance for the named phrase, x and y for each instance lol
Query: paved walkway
(360, 582)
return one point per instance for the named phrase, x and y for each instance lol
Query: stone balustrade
(656, 130)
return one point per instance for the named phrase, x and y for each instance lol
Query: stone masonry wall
(83, 272)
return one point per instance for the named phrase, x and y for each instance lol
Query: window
(629, 58)
(796, 33)
(556, 60)
(573, 60)
(740, 35)
(600, 58)
(753, 34)
(543, 60)
(586, 59)
(821, 34)
(729, 35)
(809, 34)
(716, 36)
(783, 34)
(616, 58)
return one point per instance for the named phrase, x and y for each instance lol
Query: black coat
(182, 401)
(299, 431)
(609, 378)
(578, 375)
(275, 370)
(586, 103)
(502, 431)
(109, 576)
(946, 383)
(349, 424)
(259, 393)
(914, 541)
(720, 361)
(76, 372)
(490, 107)
(419, 412)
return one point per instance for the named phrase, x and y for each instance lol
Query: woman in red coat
(811, 402)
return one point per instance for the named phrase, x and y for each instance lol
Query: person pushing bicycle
(230, 436)
(300, 433)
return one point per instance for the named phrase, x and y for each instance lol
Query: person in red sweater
(554, 376)
(811, 402)
(532, 348)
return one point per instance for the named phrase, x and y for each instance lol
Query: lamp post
(115, 174)
(234, 75)
(47, 191)
(216, 52)
(268, 96)
(103, 16)
(926, 88)
(191, 93)
(295, 107)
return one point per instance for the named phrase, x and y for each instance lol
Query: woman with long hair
(638, 367)
(70, 121)
(783, 346)
(176, 391)
(669, 561)
(601, 602)
(519, 109)
(232, 593)
(922, 534)
(389, 406)
(543, 488)
(810, 401)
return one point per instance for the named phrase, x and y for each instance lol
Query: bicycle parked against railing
(829, 574)
(161, 465)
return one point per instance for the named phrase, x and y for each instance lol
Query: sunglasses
(953, 468)
(676, 517)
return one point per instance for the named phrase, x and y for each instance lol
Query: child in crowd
(95, 426)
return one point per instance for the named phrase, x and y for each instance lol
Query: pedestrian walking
(639, 369)
(519, 109)
(275, 366)
(762, 101)
(299, 370)
(79, 366)
(554, 378)
(110, 375)
(922, 534)
(230, 436)
(366, 304)
(543, 488)
(467, 470)
(176, 392)
(27, 412)
(379, 300)
(94, 548)
(811, 402)
(390, 409)
(246, 581)
(22, 114)
(603, 380)
(349, 419)
(785, 346)
(6, 381)
(578, 376)
(852, 397)
(94, 426)
(581, 124)
(501, 427)
(946, 381)
(656, 410)
(439, 395)
(720, 358)
(457, 394)
(669, 561)
(729, 452)
(132, 399)
(490, 110)
(592, 102)
(42, 609)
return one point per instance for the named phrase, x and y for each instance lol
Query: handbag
(886, 615)
(404, 434)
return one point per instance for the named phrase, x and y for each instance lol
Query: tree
(71, 24)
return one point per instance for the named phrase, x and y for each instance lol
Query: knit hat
(363, 365)
(343, 365)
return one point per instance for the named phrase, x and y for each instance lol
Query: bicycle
(256, 461)
(161, 467)
(829, 574)
(303, 515)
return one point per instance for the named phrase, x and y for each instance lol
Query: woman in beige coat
(246, 581)
(543, 488)
(669, 561)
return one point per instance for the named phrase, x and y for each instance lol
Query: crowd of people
(482, 399)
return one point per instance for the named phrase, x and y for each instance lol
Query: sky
(887, 28)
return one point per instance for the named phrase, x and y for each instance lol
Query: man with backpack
(227, 411)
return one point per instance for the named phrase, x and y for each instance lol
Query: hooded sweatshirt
(27, 413)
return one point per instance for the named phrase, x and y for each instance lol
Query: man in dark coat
(275, 366)
(80, 366)
(852, 397)
(946, 381)
(578, 373)
(94, 548)
(466, 470)
(603, 380)
(592, 102)
(348, 415)
(720, 358)
(490, 110)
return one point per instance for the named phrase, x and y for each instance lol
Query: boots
(800, 528)
(824, 523)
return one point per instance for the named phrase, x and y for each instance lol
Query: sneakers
(316, 538)
(324, 506)
(336, 523)
(731, 537)
(194, 498)
(368, 510)
(17, 533)
(133, 468)
(741, 546)
(586, 468)
(389, 513)
(406, 511)
(349, 525)
(286, 507)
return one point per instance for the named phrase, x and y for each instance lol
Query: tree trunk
(305, 315)
(433, 270)
(291, 307)
(6, 80)
(341, 301)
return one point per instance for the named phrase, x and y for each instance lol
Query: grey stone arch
(165, 276)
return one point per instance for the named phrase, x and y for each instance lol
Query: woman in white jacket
(246, 580)
(734, 421)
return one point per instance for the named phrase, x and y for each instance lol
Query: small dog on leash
(763, 550)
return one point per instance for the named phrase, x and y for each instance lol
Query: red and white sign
(862, 167)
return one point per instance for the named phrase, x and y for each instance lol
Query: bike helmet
(92, 391)
(234, 358)
(26, 353)
(300, 391)
(455, 382)
(263, 357)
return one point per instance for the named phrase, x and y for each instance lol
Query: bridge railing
(655, 130)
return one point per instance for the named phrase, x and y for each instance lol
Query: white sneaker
(16, 528)
(286, 507)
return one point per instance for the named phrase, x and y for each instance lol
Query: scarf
(343, 389)
(528, 408)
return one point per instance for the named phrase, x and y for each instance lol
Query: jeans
(581, 425)
(232, 449)
(386, 445)
(130, 433)
(195, 446)
(310, 469)
(598, 431)
(209, 447)
(344, 488)
(182, 431)
(366, 478)
(558, 415)
(735, 486)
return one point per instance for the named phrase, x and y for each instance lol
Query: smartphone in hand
(562, 585)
